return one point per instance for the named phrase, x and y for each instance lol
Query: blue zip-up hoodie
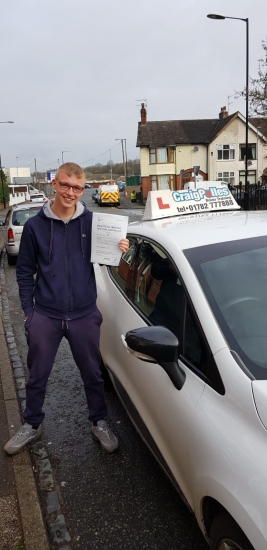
(59, 253)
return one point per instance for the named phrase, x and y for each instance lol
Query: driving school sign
(205, 197)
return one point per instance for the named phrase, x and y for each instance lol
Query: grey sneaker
(25, 434)
(103, 433)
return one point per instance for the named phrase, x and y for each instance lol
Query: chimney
(223, 113)
(143, 114)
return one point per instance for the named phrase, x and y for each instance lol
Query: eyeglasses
(77, 190)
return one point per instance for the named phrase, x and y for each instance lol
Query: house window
(251, 151)
(225, 152)
(152, 156)
(171, 154)
(154, 183)
(251, 176)
(228, 177)
(161, 155)
(162, 182)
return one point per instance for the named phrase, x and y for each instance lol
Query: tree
(257, 95)
(3, 186)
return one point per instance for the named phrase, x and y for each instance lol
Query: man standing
(61, 301)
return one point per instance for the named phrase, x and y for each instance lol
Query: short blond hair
(71, 169)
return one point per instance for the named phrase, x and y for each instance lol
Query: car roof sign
(206, 196)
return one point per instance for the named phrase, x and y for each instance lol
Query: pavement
(22, 525)
(126, 203)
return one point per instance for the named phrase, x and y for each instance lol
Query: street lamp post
(110, 166)
(17, 167)
(1, 172)
(126, 166)
(221, 16)
(62, 153)
(257, 153)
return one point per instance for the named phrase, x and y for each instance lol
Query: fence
(257, 194)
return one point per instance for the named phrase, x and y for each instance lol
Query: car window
(194, 348)
(20, 217)
(234, 278)
(150, 280)
(160, 295)
(121, 272)
(8, 217)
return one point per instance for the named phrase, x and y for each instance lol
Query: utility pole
(123, 156)
(36, 174)
(110, 165)
(126, 167)
(123, 159)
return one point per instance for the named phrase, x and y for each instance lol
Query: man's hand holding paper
(108, 238)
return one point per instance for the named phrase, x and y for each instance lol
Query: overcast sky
(74, 71)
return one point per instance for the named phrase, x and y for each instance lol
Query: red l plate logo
(161, 205)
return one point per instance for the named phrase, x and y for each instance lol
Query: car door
(167, 414)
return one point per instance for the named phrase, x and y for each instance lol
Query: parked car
(32, 190)
(37, 197)
(121, 185)
(13, 227)
(184, 341)
(87, 186)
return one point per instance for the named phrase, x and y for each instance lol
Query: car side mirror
(157, 344)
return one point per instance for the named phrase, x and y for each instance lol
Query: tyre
(225, 534)
(11, 260)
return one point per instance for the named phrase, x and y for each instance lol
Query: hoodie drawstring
(81, 235)
(51, 241)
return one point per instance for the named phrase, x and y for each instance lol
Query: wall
(20, 193)
(235, 133)
(21, 172)
(186, 157)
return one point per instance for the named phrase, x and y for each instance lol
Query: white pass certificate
(107, 231)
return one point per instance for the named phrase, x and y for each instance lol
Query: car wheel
(225, 534)
(11, 260)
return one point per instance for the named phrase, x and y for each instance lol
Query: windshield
(234, 278)
(21, 216)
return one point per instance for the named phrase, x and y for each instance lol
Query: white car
(16, 217)
(184, 339)
(37, 197)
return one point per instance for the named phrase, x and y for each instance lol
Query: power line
(85, 161)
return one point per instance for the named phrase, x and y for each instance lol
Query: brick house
(169, 150)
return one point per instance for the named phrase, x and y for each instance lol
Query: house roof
(260, 123)
(174, 132)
